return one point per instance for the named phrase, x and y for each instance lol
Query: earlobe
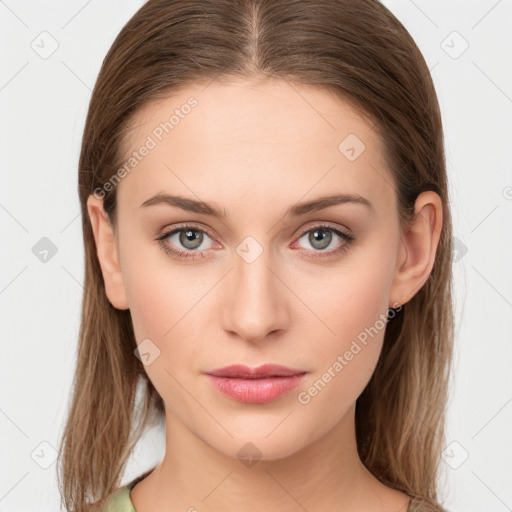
(418, 248)
(107, 252)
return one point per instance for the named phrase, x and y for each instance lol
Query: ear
(418, 248)
(107, 251)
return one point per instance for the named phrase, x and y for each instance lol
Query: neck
(327, 474)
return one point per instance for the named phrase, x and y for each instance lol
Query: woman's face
(262, 283)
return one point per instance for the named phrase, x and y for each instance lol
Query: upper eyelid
(324, 224)
(311, 225)
(177, 229)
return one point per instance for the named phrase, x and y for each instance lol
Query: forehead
(253, 139)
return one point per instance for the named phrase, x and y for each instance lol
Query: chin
(251, 446)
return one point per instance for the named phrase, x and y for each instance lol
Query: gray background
(44, 99)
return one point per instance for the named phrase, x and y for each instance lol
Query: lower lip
(256, 391)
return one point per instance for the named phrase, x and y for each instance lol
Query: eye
(188, 241)
(322, 236)
(190, 237)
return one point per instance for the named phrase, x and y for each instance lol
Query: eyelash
(348, 241)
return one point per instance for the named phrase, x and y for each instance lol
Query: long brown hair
(356, 49)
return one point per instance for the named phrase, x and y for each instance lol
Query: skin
(255, 149)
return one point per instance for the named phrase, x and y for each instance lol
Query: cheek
(344, 361)
(348, 299)
(352, 293)
(165, 307)
(352, 306)
(159, 292)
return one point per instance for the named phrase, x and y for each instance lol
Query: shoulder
(120, 501)
(420, 504)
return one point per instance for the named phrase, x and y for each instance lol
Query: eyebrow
(192, 205)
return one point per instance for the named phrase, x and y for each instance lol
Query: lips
(259, 385)
(264, 371)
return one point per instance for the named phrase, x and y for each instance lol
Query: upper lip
(265, 370)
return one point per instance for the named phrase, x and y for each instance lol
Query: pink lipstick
(255, 385)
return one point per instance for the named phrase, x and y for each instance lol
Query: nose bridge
(254, 306)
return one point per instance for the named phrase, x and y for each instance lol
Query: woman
(268, 259)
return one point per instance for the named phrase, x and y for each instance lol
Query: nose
(255, 300)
